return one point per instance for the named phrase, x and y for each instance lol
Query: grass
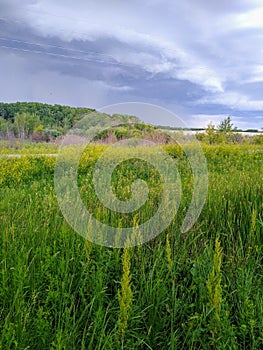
(26, 147)
(198, 290)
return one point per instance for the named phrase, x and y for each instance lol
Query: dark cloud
(197, 57)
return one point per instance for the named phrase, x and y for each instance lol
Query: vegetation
(43, 122)
(198, 290)
(137, 130)
(225, 132)
(38, 122)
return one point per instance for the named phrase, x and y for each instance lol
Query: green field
(197, 290)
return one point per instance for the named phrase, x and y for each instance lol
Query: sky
(200, 59)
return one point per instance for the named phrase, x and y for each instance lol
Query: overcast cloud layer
(202, 59)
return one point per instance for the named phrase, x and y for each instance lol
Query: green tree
(6, 128)
(226, 126)
(25, 124)
(227, 132)
(3, 125)
(210, 134)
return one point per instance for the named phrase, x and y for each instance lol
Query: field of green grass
(197, 290)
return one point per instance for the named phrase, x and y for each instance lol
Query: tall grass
(199, 290)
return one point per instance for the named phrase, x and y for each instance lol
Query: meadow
(197, 290)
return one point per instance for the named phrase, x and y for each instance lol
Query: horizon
(154, 124)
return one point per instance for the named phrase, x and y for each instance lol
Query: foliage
(137, 130)
(223, 133)
(22, 118)
(24, 124)
(226, 126)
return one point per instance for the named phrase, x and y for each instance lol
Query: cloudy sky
(201, 59)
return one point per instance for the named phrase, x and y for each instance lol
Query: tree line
(44, 122)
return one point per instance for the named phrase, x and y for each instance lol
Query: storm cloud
(200, 59)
